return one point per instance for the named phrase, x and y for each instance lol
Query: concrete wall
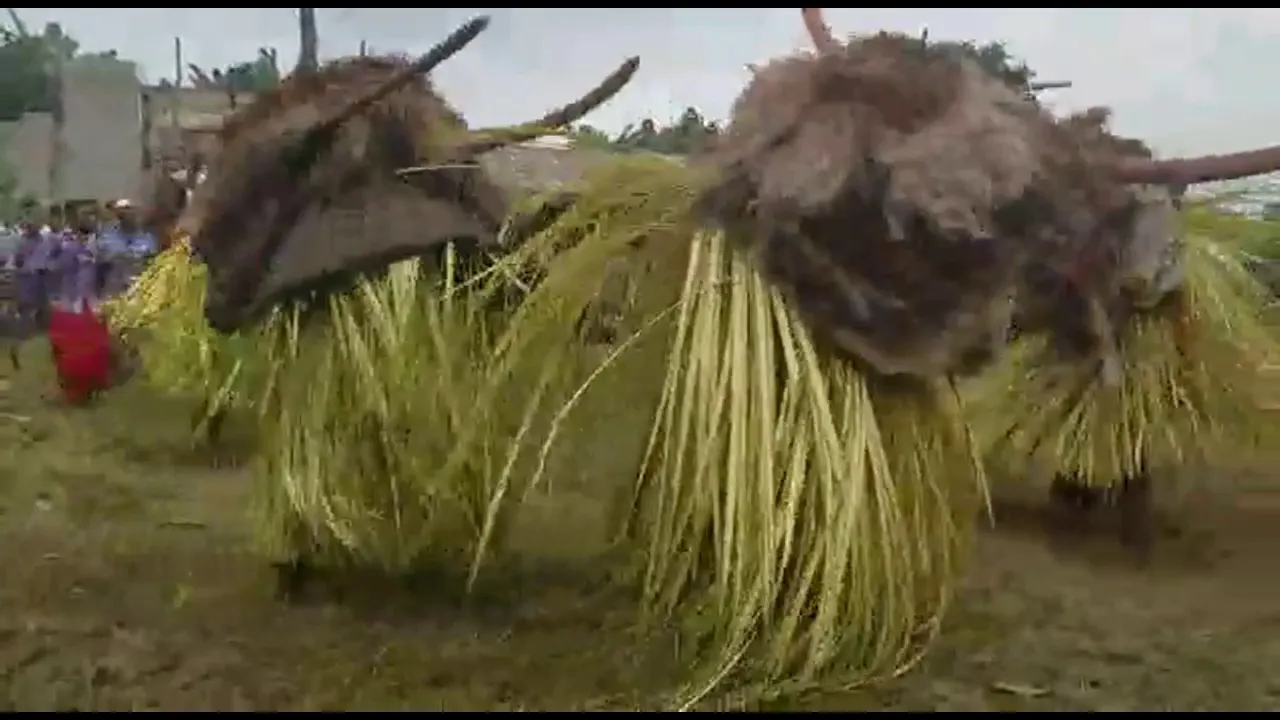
(104, 104)
(101, 139)
(102, 135)
(28, 150)
(198, 112)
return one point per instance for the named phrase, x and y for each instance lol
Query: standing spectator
(37, 252)
(142, 244)
(79, 338)
(125, 246)
(112, 251)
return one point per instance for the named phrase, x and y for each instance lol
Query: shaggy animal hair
(1107, 248)
(907, 202)
(1148, 261)
(309, 191)
(884, 186)
(276, 173)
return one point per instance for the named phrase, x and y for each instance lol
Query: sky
(1189, 80)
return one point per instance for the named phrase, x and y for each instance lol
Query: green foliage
(261, 74)
(25, 61)
(589, 136)
(26, 66)
(993, 57)
(1264, 240)
(690, 133)
(1258, 239)
(252, 76)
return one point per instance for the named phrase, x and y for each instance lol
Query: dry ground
(128, 584)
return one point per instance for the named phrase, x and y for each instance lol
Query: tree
(645, 137)
(253, 76)
(994, 57)
(588, 136)
(26, 83)
(691, 133)
(27, 62)
(264, 72)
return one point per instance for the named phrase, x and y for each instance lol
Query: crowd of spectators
(75, 265)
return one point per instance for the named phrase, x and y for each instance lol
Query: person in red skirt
(78, 335)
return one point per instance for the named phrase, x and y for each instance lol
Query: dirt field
(128, 584)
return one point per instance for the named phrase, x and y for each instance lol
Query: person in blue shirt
(34, 260)
(123, 246)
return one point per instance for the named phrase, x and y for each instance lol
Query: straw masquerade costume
(856, 239)
(373, 122)
(338, 223)
(1192, 345)
(903, 203)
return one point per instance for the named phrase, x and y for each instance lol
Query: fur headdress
(905, 199)
(341, 171)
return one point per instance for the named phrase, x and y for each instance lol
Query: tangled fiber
(790, 510)
(902, 198)
(876, 185)
(809, 484)
(805, 519)
(375, 462)
(160, 317)
(810, 481)
(316, 186)
(338, 173)
(370, 460)
(1188, 387)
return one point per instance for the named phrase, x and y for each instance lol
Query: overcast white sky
(1188, 79)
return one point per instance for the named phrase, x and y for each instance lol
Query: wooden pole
(308, 41)
(147, 107)
(1054, 85)
(177, 61)
(175, 103)
(58, 148)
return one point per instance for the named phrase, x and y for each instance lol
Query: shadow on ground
(129, 584)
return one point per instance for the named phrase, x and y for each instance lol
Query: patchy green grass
(129, 583)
